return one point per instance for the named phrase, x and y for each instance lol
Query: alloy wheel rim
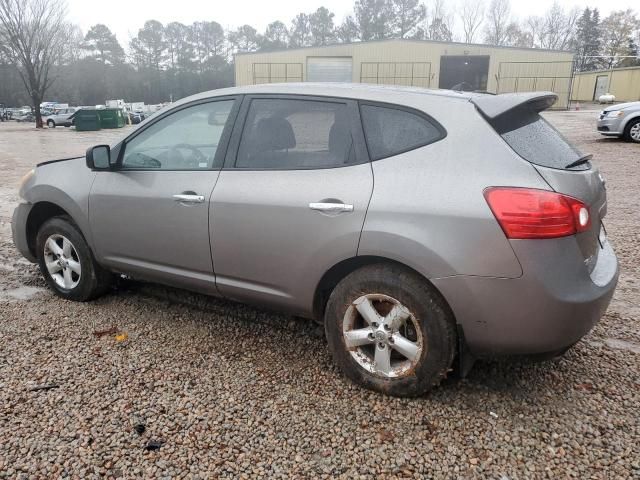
(382, 336)
(62, 261)
(635, 132)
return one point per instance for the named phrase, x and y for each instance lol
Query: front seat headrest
(274, 133)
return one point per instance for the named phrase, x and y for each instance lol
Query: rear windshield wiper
(582, 160)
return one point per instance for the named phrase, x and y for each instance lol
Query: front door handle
(188, 198)
(328, 207)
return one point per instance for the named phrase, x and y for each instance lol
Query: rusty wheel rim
(382, 335)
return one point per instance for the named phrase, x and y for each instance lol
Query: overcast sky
(125, 17)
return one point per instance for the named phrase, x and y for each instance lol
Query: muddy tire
(390, 331)
(67, 263)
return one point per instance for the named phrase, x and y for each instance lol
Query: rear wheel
(632, 131)
(51, 124)
(390, 331)
(67, 263)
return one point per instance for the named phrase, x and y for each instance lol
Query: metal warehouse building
(419, 63)
(624, 83)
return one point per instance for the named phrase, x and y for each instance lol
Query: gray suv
(418, 226)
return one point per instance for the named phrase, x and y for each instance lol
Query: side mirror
(99, 157)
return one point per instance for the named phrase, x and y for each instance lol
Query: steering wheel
(194, 160)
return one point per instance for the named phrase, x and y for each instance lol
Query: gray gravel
(225, 390)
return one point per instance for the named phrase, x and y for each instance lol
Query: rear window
(390, 131)
(535, 140)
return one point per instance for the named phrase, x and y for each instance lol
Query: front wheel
(390, 331)
(66, 262)
(632, 131)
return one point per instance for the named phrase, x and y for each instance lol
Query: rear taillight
(531, 213)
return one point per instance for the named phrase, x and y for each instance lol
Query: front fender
(627, 119)
(66, 184)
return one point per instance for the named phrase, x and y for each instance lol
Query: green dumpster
(111, 118)
(87, 120)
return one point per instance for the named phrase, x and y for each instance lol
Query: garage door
(329, 69)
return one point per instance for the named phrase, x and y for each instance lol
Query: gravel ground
(223, 390)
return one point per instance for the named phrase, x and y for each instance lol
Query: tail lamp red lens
(532, 213)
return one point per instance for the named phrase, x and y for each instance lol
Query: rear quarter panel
(428, 210)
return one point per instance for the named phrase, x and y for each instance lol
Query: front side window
(185, 140)
(296, 134)
(390, 131)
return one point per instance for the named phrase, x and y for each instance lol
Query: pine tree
(588, 40)
(407, 16)
(321, 26)
(276, 36)
(300, 32)
(149, 47)
(373, 18)
(101, 44)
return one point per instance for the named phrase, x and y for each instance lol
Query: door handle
(188, 198)
(331, 207)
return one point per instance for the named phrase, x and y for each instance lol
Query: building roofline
(605, 70)
(437, 42)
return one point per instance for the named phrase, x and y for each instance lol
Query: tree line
(169, 61)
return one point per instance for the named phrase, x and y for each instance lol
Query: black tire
(93, 280)
(51, 124)
(627, 131)
(429, 310)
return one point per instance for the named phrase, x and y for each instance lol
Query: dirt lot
(231, 391)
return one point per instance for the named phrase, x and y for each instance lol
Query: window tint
(290, 134)
(391, 131)
(185, 140)
(535, 140)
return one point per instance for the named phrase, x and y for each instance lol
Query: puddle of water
(617, 344)
(22, 293)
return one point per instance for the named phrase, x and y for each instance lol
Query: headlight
(615, 113)
(25, 179)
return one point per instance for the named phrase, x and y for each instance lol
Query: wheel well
(630, 122)
(464, 358)
(40, 213)
(336, 273)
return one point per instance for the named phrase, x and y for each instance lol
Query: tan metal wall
(510, 69)
(624, 83)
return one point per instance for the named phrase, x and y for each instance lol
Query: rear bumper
(19, 230)
(554, 304)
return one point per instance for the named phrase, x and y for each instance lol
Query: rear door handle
(331, 207)
(188, 198)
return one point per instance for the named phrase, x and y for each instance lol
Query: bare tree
(498, 21)
(534, 25)
(558, 27)
(439, 22)
(34, 34)
(471, 13)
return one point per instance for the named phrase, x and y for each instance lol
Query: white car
(61, 118)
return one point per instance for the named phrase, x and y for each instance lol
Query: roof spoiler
(493, 106)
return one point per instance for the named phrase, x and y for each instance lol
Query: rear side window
(390, 131)
(535, 140)
(296, 134)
